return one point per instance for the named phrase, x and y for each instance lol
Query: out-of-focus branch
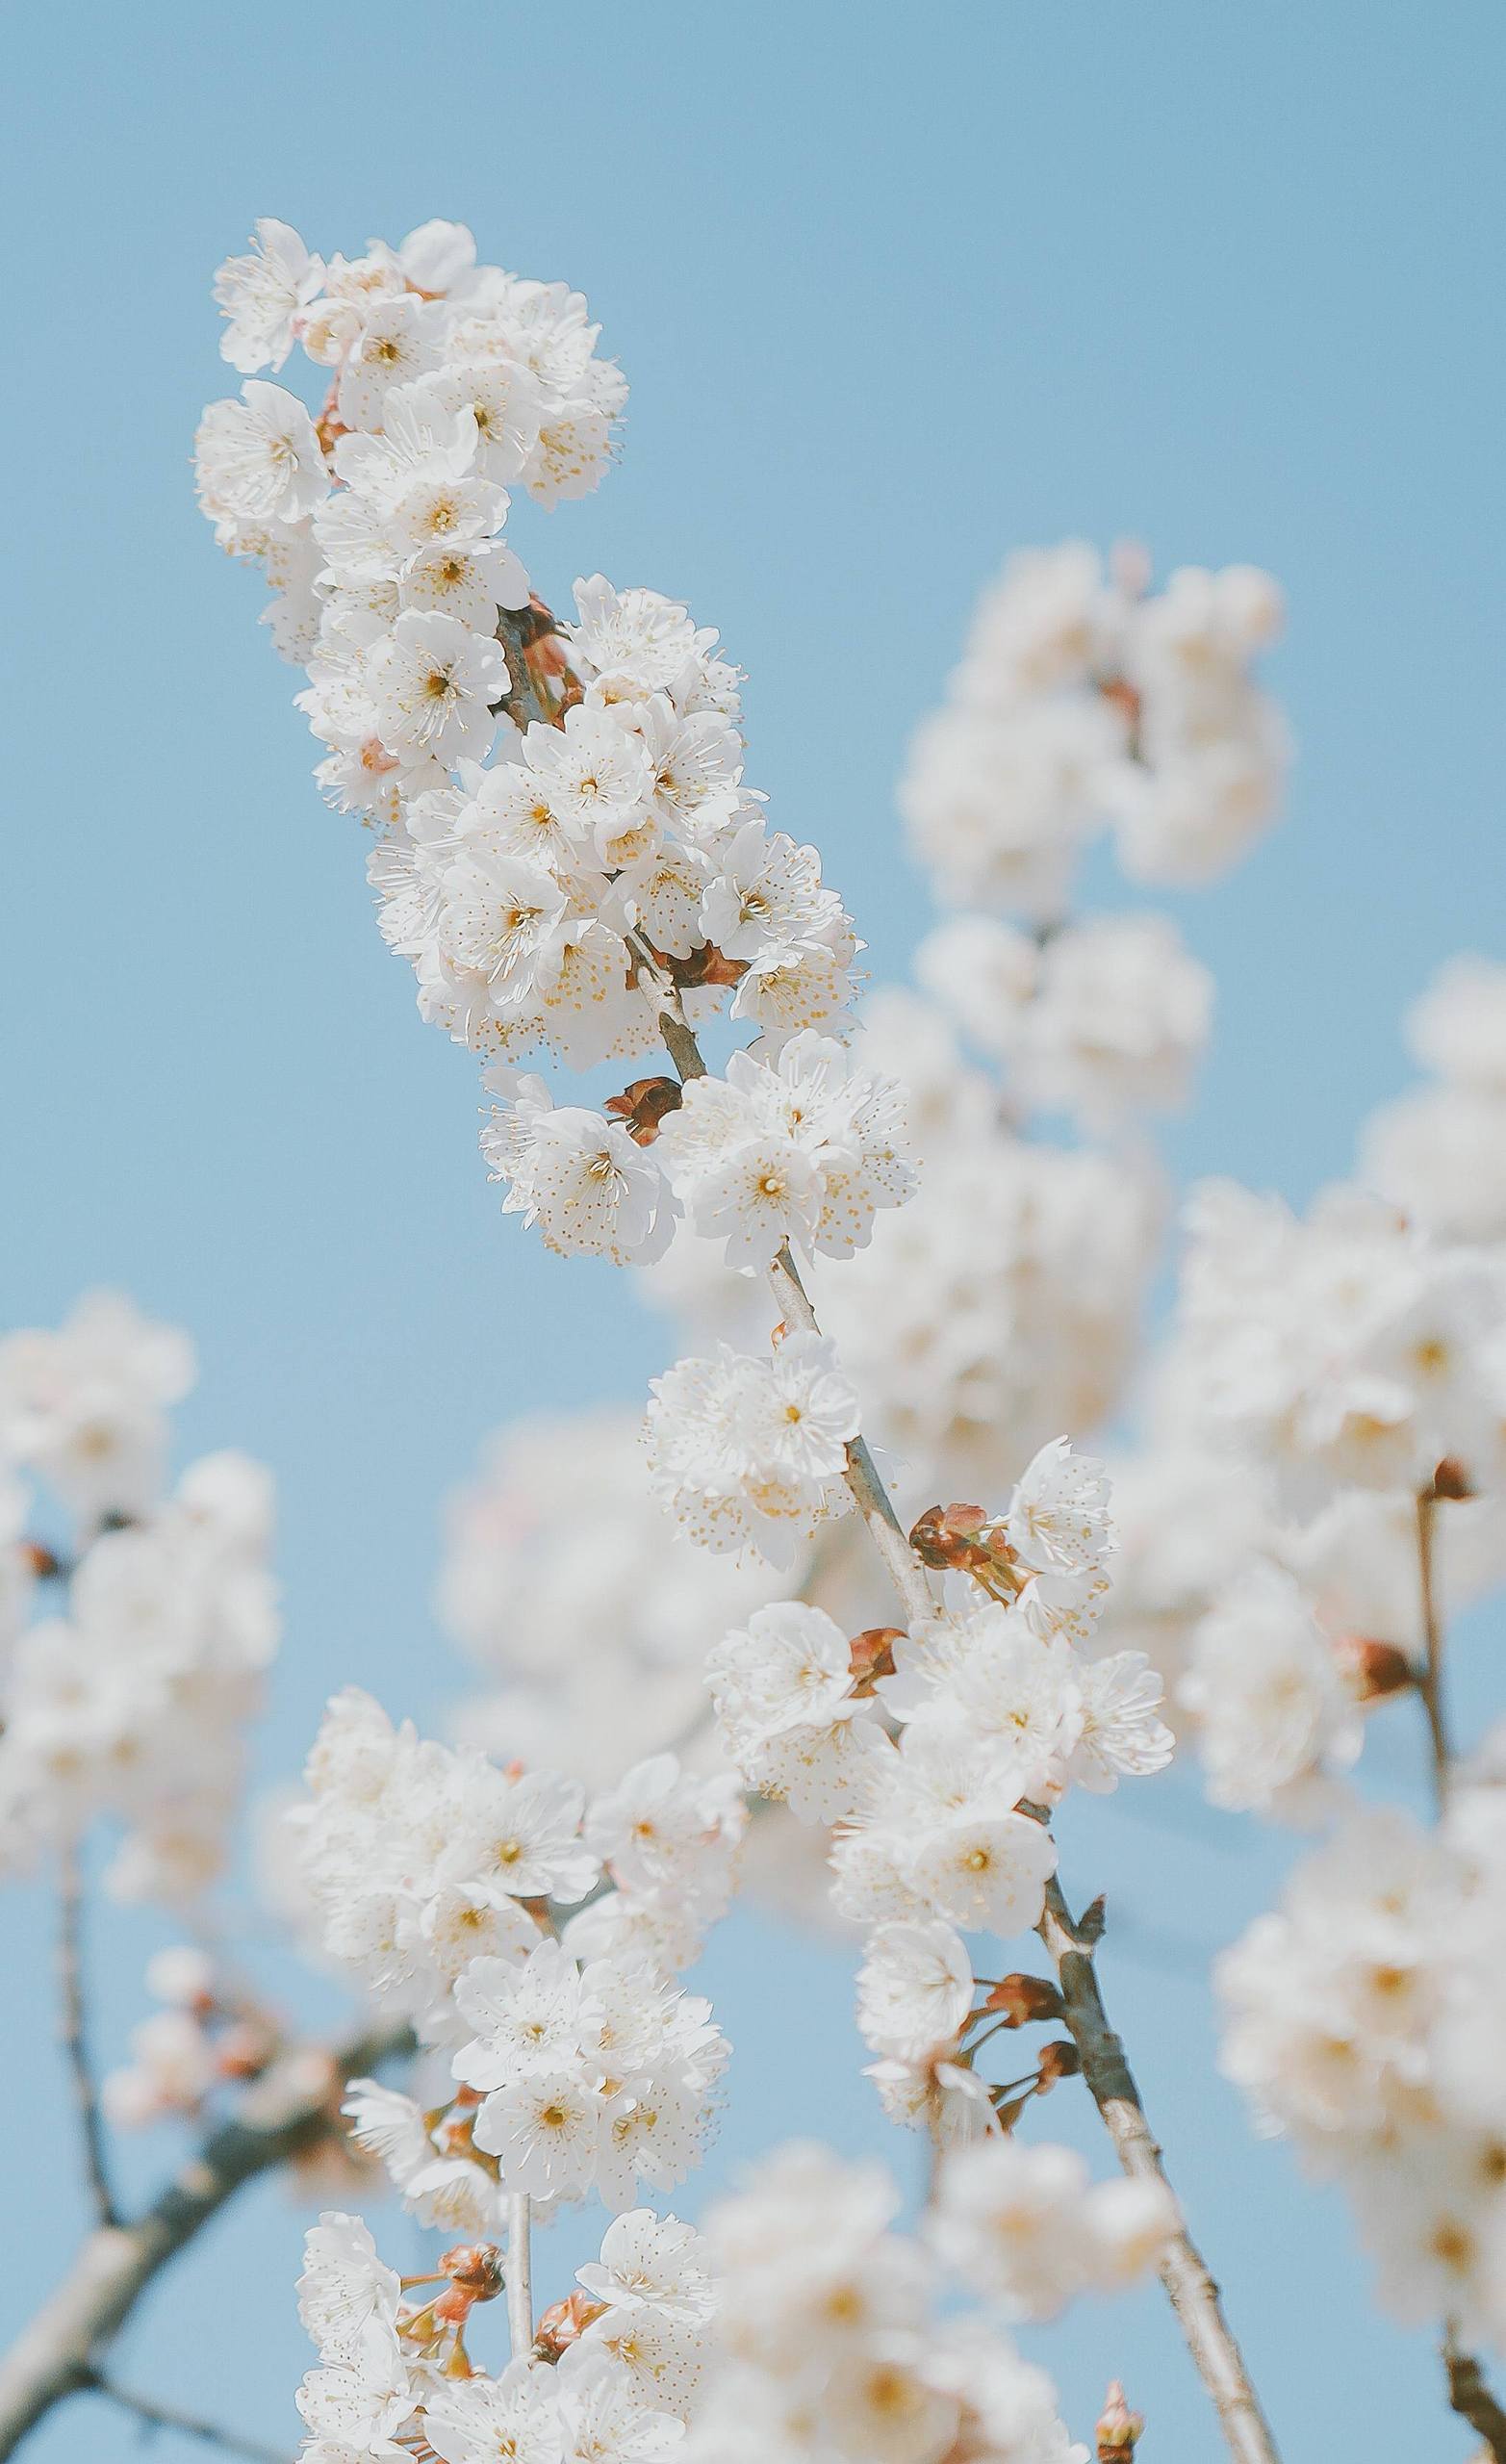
(280, 2119)
(153, 2416)
(74, 2028)
(1467, 2393)
(1472, 2400)
(1430, 1677)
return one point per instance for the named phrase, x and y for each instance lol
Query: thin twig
(153, 2416)
(74, 2025)
(280, 2119)
(520, 2276)
(1430, 1677)
(1467, 2393)
(1183, 2271)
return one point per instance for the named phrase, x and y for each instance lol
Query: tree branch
(74, 2027)
(1183, 2271)
(153, 2416)
(1430, 1677)
(1468, 2391)
(1472, 2400)
(59, 2351)
(519, 2278)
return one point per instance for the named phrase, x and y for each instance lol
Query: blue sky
(894, 293)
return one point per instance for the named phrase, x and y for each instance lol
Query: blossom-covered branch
(601, 886)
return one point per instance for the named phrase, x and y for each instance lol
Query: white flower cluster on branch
(568, 854)
(395, 2379)
(557, 1581)
(131, 1699)
(934, 1754)
(577, 2062)
(1363, 2016)
(1084, 702)
(1440, 1151)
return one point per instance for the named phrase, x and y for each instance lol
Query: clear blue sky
(896, 291)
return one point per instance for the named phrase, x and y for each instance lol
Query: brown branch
(1183, 2271)
(153, 2416)
(1472, 2400)
(74, 2029)
(58, 2354)
(1468, 2391)
(1430, 1677)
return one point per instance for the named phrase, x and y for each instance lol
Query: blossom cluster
(1323, 1484)
(1363, 2018)
(1322, 1375)
(1085, 701)
(1271, 1630)
(589, 1624)
(1004, 1303)
(441, 1883)
(544, 898)
(607, 873)
(1349, 1350)
(130, 1700)
(750, 1452)
(549, 899)
(1101, 1020)
(394, 2377)
(209, 2034)
(1440, 1151)
(830, 2343)
(934, 1755)
(566, 852)
(997, 1306)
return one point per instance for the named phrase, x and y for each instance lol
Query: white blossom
(1026, 2226)
(579, 1177)
(748, 1451)
(914, 1989)
(261, 295)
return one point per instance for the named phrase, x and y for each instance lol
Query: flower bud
(246, 2050)
(1373, 1669)
(475, 2268)
(706, 965)
(564, 2323)
(1024, 2000)
(871, 1656)
(963, 1539)
(1061, 2060)
(1119, 2430)
(1451, 1479)
(643, 1106)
